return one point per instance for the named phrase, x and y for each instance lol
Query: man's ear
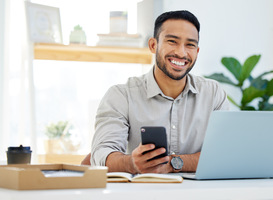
(152, 43)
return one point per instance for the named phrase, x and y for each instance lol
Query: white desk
(223, 189)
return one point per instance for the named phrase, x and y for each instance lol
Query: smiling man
(166, 96)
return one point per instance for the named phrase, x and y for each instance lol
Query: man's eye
(191, 45)
(171, 41)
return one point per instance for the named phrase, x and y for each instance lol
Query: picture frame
(44, 23)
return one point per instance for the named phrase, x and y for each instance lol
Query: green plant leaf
(265, 105)
(248, 66)
(233, 102)
(269, 88)
(259, 87)
(251, 93)
(259, 83)
(265, 73)
(248, 108)
(221, 78)
(234, 66)
(56, 130)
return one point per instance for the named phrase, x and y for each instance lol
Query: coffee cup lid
(19, 149)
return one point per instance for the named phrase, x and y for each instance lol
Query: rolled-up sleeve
(111, 127)
(221, 101)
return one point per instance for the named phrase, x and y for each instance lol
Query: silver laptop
(237, 144)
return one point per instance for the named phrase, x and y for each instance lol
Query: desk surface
(189, 189)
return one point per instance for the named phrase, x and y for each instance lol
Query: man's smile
(177, 63)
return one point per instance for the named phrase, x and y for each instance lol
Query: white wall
(2, 15)
(237, 28)
(147, 12)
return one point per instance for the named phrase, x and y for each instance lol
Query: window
(72, 90)
(62, 90)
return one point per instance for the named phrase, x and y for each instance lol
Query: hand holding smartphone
(155, 135)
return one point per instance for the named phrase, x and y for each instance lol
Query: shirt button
(173, 127)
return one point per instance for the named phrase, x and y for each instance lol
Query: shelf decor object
(77, 36)
(44, 24)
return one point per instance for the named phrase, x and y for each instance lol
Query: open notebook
(238, 144)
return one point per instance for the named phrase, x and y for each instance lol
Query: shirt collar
(153, 88)
(190, 86)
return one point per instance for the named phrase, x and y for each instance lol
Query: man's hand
(142, 161)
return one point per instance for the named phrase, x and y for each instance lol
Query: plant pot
(71, 146)
(53, 146)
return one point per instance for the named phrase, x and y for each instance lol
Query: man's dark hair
(180, 14)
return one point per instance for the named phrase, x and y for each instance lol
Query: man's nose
(181, 51)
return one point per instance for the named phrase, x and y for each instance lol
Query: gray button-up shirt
(126, 108)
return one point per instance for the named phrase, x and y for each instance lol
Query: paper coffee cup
(19, 155)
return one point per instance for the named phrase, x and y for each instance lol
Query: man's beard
(162, 66)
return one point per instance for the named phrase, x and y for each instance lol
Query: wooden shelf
(92, 54)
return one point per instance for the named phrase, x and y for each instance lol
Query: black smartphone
(155, 135)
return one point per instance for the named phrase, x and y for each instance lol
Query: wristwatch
(177, 162)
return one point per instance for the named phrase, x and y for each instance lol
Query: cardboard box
(32, 177)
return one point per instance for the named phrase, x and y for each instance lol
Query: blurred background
(37, 95)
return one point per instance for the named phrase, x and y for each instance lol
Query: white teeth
(178, 63)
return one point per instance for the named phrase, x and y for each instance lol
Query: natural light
(70, 91)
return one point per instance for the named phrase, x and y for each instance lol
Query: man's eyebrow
(176, 37)
(172, 36)
(193, 40)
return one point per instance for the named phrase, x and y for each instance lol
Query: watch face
(177, 163)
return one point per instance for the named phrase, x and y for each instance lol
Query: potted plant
(56, 133)
(259, 88)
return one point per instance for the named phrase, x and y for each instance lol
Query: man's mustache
(176, 56)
